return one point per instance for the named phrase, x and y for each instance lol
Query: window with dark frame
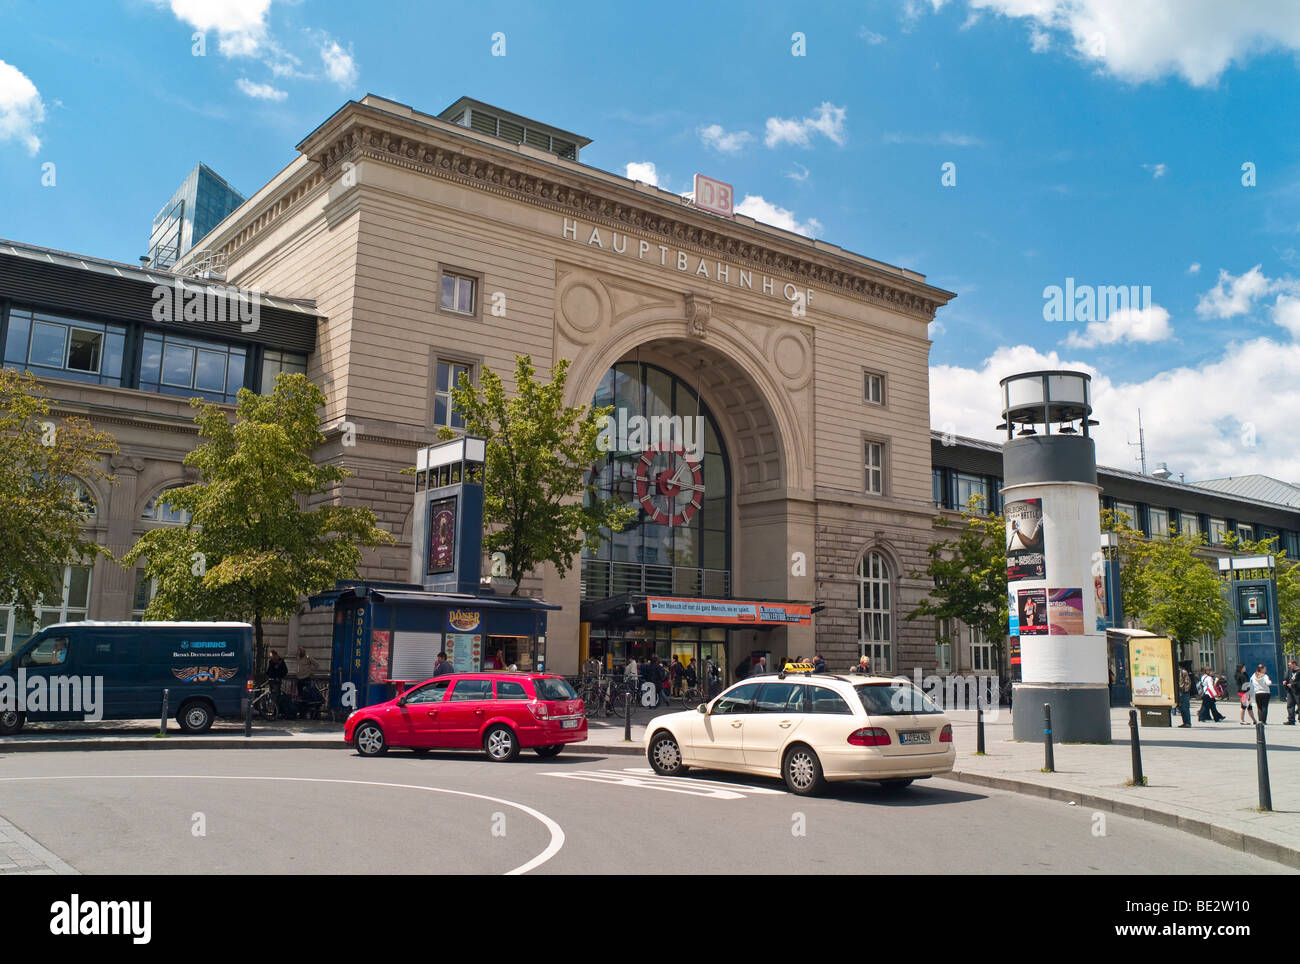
(459, 293)
(873, 387)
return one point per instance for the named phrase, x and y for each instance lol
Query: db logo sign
(715, 196)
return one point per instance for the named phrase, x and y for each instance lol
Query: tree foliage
(250, 550)
(537, 492)
(969, 573)
(43, 458)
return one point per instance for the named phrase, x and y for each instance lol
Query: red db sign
(715, 196)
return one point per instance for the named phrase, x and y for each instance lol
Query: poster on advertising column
(1065, 612)
(1025, 558)
(1033, 612)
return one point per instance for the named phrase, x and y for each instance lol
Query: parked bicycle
(264, 702)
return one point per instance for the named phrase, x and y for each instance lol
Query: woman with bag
(1244, 694)
(1208, 690)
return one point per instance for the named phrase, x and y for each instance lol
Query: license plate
(914, 736)
(573, 725)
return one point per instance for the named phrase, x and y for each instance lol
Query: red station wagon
(498, 712)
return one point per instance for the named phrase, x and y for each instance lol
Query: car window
(737, 700)
(429, 692)
(894, 699)
(826, 700)
(51, 651)
(773, 697)
(554, 688)
(510, 690)
(798, 702)
(472, 689)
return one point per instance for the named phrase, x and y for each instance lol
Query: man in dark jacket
(444, 666)
(1291, 680)
(276, 670)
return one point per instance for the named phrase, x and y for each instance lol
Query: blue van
(117, 671)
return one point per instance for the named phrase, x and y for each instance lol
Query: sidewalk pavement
(1201, 780)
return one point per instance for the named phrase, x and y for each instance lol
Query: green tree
(250, 551)
(42, 462)
(969, 573)
(537, 492)
(1166, 585)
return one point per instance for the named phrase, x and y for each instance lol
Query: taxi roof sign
(798, 668)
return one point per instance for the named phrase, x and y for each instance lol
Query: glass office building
(203, 201)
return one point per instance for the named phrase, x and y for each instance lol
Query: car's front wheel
(500, 744)
(195, 717)
(369, 739)
(548, 751)
(666, 755)
(802, 771)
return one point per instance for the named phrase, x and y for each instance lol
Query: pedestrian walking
(1244, 694)
(1261, 687)
(1185, 687)
(277, 669)
(819, 664)
(1291, 682)
(1209, 690)
(864, 666)
(675, 674)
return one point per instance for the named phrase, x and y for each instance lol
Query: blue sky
(1098, 140)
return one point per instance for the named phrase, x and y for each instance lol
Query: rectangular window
(1159, 523)
(1126, 513)
(1188, 524)
(172, 365)
(969, 486)
(448, 376)
(943, 644)
(58, 347)
(1246, 533)
(936, 487)
(1218, 529)
(458, 293)
(70, 608)
(275, 362)
(875, 468)
(1291, 542)
(1207, 652)
(145, 590)
(874, 388)
(981, 652)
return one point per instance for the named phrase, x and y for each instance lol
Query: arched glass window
(159, 509)
(875, 629)
(666, 457)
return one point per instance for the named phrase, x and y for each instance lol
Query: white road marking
(552, 848)
(647, 779)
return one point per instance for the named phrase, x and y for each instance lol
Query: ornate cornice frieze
(471, 166)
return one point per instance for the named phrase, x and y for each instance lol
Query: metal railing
(602, 579)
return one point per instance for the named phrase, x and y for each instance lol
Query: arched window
(158, 509)
(875, 629)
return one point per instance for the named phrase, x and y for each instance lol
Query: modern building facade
(203, 201)
(1156, 504)
(436, 245)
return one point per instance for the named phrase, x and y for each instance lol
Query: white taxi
(809, 728)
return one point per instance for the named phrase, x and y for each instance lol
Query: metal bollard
(162, 723)
(1049, 762)
(248, 718)
(1136, 743)
(1261, 760)
(979, 730)
(627, 715)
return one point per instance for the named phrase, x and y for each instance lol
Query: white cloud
(800, 175)
(643, 171)
(1132, 325)
(1194, 268)
(260, 91)
(1286, 313)
(1194, 39)
(1191, 421)
(721, 140)
(340, 66)
(1157, 170)
(870, 36)
(1039, 39)
(827, 119)
(21, 108)
(1233, 296)
(756, 207)
(240, 24)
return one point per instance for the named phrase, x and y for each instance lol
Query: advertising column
(1051, 505)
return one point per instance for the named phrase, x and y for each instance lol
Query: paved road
(329, 811)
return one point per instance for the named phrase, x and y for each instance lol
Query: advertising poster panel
(1065, 612)
(1153, 671)
(1032, 606)
(1025, 551)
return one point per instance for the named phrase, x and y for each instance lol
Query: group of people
(1253, 692)
(308, 701)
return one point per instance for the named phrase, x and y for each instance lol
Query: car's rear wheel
(549, 751)
(195, 716)
(666, 755)
(11, 721)
(369, 739)
(500, 744)
(802, 771)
